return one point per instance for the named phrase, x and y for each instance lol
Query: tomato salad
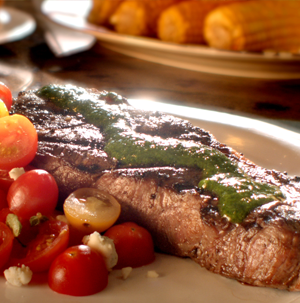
(35, 237)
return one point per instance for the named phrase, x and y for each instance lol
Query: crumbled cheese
(12, 221)
(16, 172)
(105, 246)
(152, 274)
(18, 276)
(126, 271)
(62, 218)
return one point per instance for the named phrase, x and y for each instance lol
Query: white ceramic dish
(191, 57)
(15, 25)
(182, 280)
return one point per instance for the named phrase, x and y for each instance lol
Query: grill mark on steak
(264, 250)
(184, 224)
(176, 178)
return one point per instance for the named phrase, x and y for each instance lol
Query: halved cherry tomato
(6, 243)
(38, 254)
(79, 271)
(28, 232)
(3, 109)
(34, 191)
(18, 139)
(5, 95)
(3, 199)
(3, 214)
(88, 210)
(134, 244)
(5, 180)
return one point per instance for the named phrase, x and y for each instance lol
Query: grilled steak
(184, 219)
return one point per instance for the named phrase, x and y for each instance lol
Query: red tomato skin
(6, 181)
(51, 241)
(3, 199)
(34, 191)
(6, 243)
(79, 271)
(3, 214)
(19, 141)
(134, 245)
(5, 95)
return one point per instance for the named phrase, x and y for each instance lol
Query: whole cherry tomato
(34, 191)
(51, 240)
(134, 244)
(18, 139)
(6, 238)
(78, 271)
(5, 95)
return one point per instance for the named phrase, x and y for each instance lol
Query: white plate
(15, 25)
(191, 57)
(182, 280)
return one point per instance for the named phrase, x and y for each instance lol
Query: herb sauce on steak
(238, 194)
(184, 219)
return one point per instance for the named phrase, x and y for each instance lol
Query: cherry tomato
(3, 109)
(5, 95)
(88, 210)
(134, 244)
(3, 214)
(6, 181)
(79, 271)
(3, 199)
(27, 230)
(34, 191)
(6, 243)
(18, 139)
(52, 239)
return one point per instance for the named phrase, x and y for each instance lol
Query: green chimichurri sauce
(237, 193)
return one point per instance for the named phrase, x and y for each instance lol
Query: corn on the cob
(255, 25)
(102, 10)
(183, 22)
(139, 17)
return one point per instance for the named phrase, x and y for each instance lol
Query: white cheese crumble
(62, 218)
(152, 274)
(126, 271)
(105, 246)
(18, 276)
(16, 172)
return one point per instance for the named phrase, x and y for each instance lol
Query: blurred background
(61, 41)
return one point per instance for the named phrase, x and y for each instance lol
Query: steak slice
(184, 220)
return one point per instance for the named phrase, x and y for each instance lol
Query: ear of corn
(102, 10)
(255, 25)
(183, 22)
(139, 17)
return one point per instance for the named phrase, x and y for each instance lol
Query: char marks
(263, 250)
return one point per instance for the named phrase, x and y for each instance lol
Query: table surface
(29, 64)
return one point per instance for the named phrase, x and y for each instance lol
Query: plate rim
(23, 27)
(235, 291)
